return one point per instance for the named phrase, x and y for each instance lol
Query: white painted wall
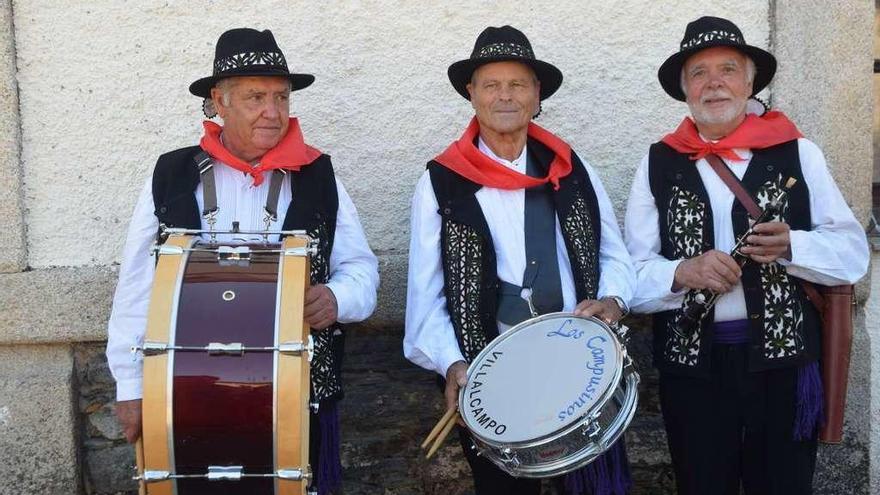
(104, 92)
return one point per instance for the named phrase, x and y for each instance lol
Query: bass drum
(225, 405)
(549, 395)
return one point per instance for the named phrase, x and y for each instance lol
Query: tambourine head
(540, 377)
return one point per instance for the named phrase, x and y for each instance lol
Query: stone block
(56, 305)
(37, 421)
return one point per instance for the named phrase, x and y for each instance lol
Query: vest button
(678, 176)
(754, 316)
(163, 209)
(769, 168)
(447, 211)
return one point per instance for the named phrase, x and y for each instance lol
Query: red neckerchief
(755, 132)
(291, 153)
(465, 159)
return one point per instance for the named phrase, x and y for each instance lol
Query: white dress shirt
(354, 276)
(429, 339)
(834, 252)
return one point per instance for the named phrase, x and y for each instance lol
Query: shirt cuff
(344, 301)
(796, 240)
(447, 358)
(129, 389)
(666, 277)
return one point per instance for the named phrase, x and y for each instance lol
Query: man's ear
(217, 98)
(470, 90)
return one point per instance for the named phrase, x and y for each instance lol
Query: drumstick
(442, 436)
(439, 426)
(139, 455)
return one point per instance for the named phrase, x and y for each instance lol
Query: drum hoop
(574, 425)
(617, 428)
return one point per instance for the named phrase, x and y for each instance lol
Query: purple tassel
(329, 476)
(608, 474)
(809, 414)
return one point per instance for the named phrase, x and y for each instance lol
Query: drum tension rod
(231, 349)
(225, 473)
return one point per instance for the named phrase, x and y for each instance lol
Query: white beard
(703, 116)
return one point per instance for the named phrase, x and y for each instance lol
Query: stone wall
(390, 406)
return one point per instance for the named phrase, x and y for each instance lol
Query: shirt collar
(745, 153)
(519, 164)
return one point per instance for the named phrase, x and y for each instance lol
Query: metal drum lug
(509, 457)
(225, 473)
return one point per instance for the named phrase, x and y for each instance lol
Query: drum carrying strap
(541, 290)
(209, 192)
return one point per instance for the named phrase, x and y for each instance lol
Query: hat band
(715, 35)
(247, 59)
(505, 50)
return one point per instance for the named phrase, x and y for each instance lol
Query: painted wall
(101, 100)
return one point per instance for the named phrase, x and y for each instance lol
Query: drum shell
(223, 410)
(206, 413)
(576, 444)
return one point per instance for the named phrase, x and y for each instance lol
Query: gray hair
(750, 74)
(225, 86)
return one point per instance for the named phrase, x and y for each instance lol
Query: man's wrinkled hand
(456, 377)
(606, 310)
(770, 241)
(128, 413)
(712, 270)
(320, 307)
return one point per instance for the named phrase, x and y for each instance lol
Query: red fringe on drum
(607, 475)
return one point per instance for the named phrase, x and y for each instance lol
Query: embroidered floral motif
(505, 50)
(580, 231)
(685, 216)
(712, 36)
(248, 59)
(463, 254)
(783, 314)
(326, 382)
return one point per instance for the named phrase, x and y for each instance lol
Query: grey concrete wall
(12, 242)
(872, 316)
(824, 83)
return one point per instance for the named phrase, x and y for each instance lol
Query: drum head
(540, 377)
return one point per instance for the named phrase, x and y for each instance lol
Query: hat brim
(460, 74)
(202, 87)
(670, 72)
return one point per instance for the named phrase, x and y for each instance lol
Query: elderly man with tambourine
(512, 233)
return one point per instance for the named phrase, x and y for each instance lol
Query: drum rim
(580, 459)
(575, 424)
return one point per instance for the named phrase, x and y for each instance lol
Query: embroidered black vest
(783, 325)
(314, 210)
(468, 254)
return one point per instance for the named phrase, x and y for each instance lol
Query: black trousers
(491, 480)
(736, 427)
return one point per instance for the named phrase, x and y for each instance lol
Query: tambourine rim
(575, 424)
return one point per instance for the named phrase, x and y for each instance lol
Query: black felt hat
(499, 44)
(248, 52)
(707, 32)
